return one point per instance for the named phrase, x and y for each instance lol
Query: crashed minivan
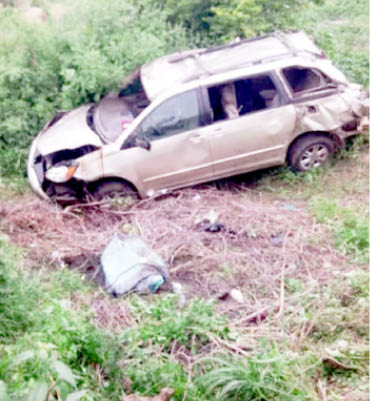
(200, 115)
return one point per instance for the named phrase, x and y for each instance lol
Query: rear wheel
(310, 152)
(112, 189)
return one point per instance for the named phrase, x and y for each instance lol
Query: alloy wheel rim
(314, 157)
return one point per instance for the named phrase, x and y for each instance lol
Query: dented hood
(70, 132)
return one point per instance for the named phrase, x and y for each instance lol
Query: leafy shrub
(43, 344)
(59, 65)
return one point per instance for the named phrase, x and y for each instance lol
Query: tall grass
(350, 229)
(43, 343)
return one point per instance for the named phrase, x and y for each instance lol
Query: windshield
(115, 112)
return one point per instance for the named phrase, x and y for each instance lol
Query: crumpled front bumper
(35, 171)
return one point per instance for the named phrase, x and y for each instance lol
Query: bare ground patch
(260, 242)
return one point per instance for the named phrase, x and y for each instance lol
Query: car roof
(166, 72)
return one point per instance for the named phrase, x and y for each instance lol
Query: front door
(180, 153)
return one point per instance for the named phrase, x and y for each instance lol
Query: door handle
(196, 138)
(218, 132)
(311, 108)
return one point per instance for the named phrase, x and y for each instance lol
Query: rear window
(305, 79)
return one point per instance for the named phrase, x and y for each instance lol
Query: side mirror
(143, 143)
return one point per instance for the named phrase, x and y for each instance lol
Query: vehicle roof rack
(194, 64)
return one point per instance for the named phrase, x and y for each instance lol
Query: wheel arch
(337, 140)
(94, 184)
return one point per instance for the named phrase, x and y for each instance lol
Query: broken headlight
(61, 173)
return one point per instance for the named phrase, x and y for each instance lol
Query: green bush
(64, 63)
(61, 65)
(44, 343)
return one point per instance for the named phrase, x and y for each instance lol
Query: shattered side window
(305, 79)
(132, 88)
(175, 115)
(243, 96)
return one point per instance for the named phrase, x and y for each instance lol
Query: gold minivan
(200, 115)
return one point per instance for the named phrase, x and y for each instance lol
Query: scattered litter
(237, 295)
(224, 296)
(55, 255)
(277, 240)
(209, 222)
(288, 206)
(342, 345)
(177, 288)
(129, 265)
(209, 218)
(164, 395)
(257, 317)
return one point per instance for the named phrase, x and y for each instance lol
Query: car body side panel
(326, 113)
(175, 161)
(110, 162)
(252, 141)
(172, 162)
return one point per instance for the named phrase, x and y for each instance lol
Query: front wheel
(310, 152)
(112, 189)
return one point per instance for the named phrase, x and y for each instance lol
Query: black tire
(310, 152)
(112, 189)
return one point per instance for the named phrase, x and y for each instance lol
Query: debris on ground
(235, 294)
(289, 207)
(164, 395)
(209, 222)
(206, 264)
(277, 240)
(130, 265)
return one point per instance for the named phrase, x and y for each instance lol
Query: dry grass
(260, 244)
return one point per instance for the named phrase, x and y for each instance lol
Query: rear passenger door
(257, 138)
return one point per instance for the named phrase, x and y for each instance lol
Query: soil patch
(257, 244)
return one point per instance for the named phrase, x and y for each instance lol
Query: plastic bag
(129, 265)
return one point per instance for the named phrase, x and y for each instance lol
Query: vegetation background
(49, 349)
(75, 58)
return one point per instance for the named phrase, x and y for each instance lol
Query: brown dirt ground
(261, 240)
